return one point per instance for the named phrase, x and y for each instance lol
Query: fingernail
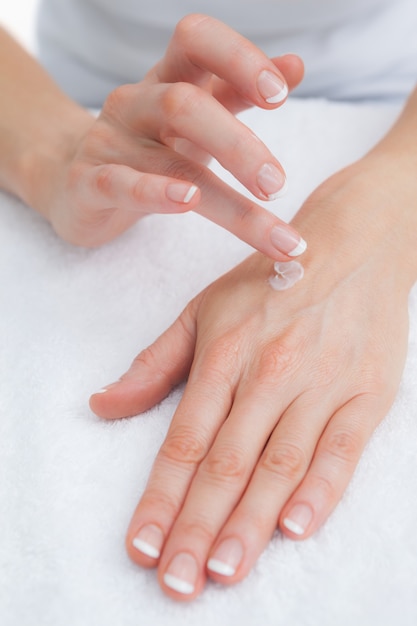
(107, 387)
(180, 192)
(271, 87)
(181, 574)
(281, 193)
(226, 559)
(149, 541)
(271, 181)
(298, 519)
(287, 241)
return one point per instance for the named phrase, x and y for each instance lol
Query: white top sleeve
(352, 49)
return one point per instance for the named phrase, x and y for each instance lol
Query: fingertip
(287, 241)
(116, 401)
(129, 397)
(144, 546)
(292, 68)
(297, 520)
(97, 400)
(102, 404)
(225, 562)
(182, 577)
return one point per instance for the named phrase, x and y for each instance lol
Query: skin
(284, 388)
(94, 178)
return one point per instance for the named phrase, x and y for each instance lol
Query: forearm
(369, 209)
(39, 125)
(401, 141)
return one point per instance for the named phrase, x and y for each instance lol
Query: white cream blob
(287, 274)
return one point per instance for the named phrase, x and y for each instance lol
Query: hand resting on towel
(284, 388)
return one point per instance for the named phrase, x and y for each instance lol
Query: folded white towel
(71, 320)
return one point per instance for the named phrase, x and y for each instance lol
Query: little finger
(281, 467)
(334, 462)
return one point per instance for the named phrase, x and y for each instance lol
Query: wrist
(361, 221)
(39, 125)
(42, 161)
(367, 211)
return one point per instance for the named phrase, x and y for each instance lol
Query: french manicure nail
(271, 181)
(180, 192)
(298, 519)
(281, 193)
(181, 574)
(106, 388)
(287, 241)
(226, 559)
(149, 541)
(271, 87)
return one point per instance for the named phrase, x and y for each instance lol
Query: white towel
(71, 320)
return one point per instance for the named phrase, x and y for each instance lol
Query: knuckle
(325, 486)
(183, 445)
(105, 179)
(247, 213)
(149, 359)
(177, 101)
(138, 189)
(225, 465)
(117, 100)
(187, 28)
(344, 445)
(199, 529)
(286, 461)
(217, 372)
(221, 359)
(277, 360)
(182, 169)
(161, 501)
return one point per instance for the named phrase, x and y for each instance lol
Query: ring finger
(181, 111)
(281, 467)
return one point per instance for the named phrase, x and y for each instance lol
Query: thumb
(153, 373)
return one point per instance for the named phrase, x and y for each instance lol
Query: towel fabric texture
(71, 320)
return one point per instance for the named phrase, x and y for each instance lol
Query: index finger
(249, 221)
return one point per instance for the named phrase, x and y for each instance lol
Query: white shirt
(352, 49)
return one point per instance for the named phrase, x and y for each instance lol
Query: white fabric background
(18, 16)
(71, 320)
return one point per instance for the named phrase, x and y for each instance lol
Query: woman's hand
(284, 390)
(147, 150)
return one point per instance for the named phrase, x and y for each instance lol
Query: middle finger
(202, 46)
(216, 488)
(184, 111)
